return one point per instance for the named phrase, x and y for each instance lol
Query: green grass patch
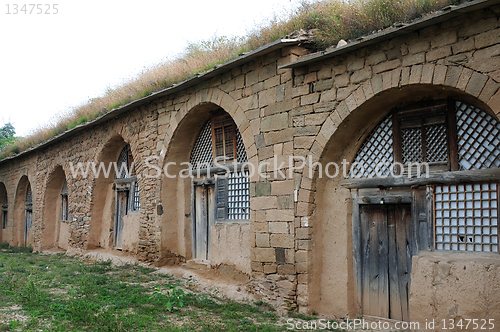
(41, 292)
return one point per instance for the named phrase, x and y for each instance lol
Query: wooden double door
(386, 252)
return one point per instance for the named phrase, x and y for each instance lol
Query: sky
(75, 50)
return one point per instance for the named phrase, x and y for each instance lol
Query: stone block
(385, 66)
(280, 215)
(280, 136)
(278, 227)
(285, 202)
(303, 233)
(309, 99)
(341, 80)
(476, 84)
(282, 241)
(463, 46)
(361, 75)
(265, 255)
(445, 38)
(262, 189)
(262, 240)
(413, 59)
(274, 122)
(419, 46)
(287, 269)
(270, 268)
(323, 85)
(263, 202)
(268, 97)
(438, 53)
(375, 59)
(478, 27)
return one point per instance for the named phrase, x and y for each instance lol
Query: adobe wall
(458, 58)
(297, 247)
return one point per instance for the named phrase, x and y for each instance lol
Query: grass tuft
(331, 21)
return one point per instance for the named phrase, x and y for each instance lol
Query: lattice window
(377, 149)
(29, 196)
(125, 163)
(238, 196)
(136, 204)
(202, 153)
(64, 202)
(466, 216)
(411, 145)
(437, 143)
(478, 138)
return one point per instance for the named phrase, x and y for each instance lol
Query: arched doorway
(370, 226)
(56, 211)
(23, 213)
(206, 214)
(115, 214)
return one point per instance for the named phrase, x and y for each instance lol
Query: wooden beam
(491, 174)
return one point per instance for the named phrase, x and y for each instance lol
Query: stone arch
(392, 88)
(212, 96)
(339, 139)
(101, 223)
(176, 193)
(18, 237)
(54, 233)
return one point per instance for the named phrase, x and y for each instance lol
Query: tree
(7, 133)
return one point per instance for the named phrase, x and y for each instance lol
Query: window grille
(64, 202)
(5, 210)
(29, 209)
(125, 163)
(466, 216)
(411, 147)
(136, 202)
(436, 143)
(29, 198)
(377, 148)
(238, 196)
(478, 138)
(202, 155)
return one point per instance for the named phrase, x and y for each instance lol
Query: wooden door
(28, 220)
(386, 260)
(204, 217)
(121, 210)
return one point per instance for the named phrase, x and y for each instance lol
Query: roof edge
(196, 79)
(445, 14)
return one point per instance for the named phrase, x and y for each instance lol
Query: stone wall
(297, 247)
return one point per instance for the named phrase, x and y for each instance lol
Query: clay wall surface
(297, 246)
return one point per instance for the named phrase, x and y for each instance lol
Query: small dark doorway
(385, 259)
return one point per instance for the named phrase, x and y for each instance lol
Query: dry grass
(332, 20)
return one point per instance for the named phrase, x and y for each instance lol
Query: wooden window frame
(222, 120)
(422, 112)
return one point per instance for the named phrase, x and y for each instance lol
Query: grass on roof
(332, 20)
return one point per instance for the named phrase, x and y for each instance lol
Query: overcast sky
(52, 62)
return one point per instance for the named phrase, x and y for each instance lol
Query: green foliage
(62, 293)
(7, 135)
(169, 296)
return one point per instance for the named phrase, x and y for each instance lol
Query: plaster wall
(455, 286)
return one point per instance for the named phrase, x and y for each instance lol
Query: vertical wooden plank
(122, 210)
(201, 218)
(394, 299)
(365, 256)
(357, 248)
(383, 261)
(429, 199)
(404, 252)
(210, 214)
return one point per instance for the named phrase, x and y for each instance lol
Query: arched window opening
(220, 141)
(28, 213)
(127, 179)
(5, 210)
(448, 136)
(64, 202)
